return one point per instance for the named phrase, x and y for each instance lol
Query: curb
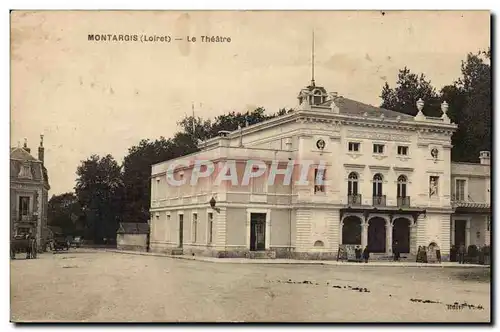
(278, 262)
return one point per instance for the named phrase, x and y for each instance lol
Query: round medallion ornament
(434, 153)
(320, 144)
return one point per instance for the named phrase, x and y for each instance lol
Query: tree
(64, 211)
(469, 100)
(137, 164)
(99, 189)
(474, 88)
(410, 88)
(137, 173)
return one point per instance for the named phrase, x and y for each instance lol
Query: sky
(90, 97)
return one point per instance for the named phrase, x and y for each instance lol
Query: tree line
(107, 192)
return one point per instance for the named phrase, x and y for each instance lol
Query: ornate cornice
(403, 169)
(358, 166)
(378, 136)
(379, 167)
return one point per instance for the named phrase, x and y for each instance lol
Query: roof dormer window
(25, 171)
(317, 98)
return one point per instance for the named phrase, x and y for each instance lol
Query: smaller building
(132, 236)
(29, 187)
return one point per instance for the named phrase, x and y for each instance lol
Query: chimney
(484, 157)
(25, 147)
(41, 150)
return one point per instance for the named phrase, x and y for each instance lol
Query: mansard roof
(21, 154)
(352, 107)
(18, 157)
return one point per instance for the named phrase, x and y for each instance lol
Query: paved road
(112, 287)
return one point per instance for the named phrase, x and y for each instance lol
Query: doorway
(376, 235)
(401, 235)
(460, 232)
(181, 230)
(257, 231)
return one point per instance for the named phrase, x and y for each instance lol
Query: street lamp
(213, 202)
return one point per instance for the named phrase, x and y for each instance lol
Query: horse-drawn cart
(23, 244)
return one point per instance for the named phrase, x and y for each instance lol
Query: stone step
(261, 254)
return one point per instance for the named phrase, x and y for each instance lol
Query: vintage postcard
(250, 166)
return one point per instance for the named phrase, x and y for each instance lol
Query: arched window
(402, 181)
(318, 98)
(377, 185)
(319, 244)
(352, 184)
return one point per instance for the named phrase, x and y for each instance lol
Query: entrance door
(460, 232)
(181, 230)
(401, 234)
(257, 231)
(376, 235)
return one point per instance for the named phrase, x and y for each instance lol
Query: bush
(484, 255)
(472, 251)
(472, 254)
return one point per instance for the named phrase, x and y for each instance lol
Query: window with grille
(377, 185)
(352, 184)
(210, 226)
(195, 226)
(319, 180)
(24, 206)
(460, 190)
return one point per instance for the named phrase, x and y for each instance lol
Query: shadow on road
(475, 275)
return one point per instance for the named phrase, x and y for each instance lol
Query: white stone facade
(390, 177)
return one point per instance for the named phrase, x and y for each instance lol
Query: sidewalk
(298, 262)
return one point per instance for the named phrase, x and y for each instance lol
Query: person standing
(395, 251)
(461, 254)
(366, 255)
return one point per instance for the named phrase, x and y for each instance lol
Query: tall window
(258, 183)
(210, 226)
(460, 190)
(319, 180)
(24, 206)
(195, 226)
(377, 185)
(317, 97)
(402, 181)
(167, 228)
(352, 184)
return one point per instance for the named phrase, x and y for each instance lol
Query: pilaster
(220, 227)
(388, 232)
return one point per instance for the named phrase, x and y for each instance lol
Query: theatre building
(388, 178)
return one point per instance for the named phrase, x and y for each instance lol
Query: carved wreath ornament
(434, 153)
(320, 144)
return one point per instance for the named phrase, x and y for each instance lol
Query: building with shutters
(388, 177)
(29, 187)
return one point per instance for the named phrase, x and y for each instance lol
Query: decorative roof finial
(25, 142)
(420, 104)
(444, 107)
(41, 140)
(312, 67)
